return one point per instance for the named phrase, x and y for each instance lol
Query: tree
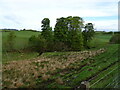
(47, 33)
(37, 44)
(75, 38)
(68, 31)
(46, 29)
(60, 34)
(88, 34)
(10, 40)
(61, 30)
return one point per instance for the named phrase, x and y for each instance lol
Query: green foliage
(37, 44)
(10, 41)
(75, 38)
(115, 39)
(60, 30)
(47, 33)
(88, 34)
(46, 29)
(67, 35)
(68, 31)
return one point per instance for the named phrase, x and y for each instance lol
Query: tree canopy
(67, 35)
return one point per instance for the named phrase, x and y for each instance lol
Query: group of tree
(68, 35)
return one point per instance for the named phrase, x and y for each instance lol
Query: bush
(60, 46)
(9, 44)
(115, 39)
(37, 44)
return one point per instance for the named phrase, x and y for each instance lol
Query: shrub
(60, 46)
(37, 44)
(115, 39)
(9, 44)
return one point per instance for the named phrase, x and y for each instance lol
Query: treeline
(69, 34)
(8, 30)
(111, 32)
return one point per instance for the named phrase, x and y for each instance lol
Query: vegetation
(10, 41)
(88, 34)
(20, 41)
(37, 44)
(115, 39)
(60, 58)
(47, 34)
(60, 70)
(67, 35)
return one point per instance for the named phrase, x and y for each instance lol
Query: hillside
(98, 66)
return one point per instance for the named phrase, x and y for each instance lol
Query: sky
(28, 14)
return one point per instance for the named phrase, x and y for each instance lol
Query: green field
(98, 65)
(21, 40)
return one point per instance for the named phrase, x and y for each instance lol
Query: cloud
(105, 25)
(12, 18)
(29, 13)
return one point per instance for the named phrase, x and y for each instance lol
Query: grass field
(98, 65)
(21, 40)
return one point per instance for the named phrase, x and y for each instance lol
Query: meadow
(21, 40)
(98, 65)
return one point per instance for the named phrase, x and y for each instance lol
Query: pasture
(21, 40)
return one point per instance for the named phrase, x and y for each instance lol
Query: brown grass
(59, 80)
(18, 73)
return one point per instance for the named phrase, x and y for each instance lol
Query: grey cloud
(12, 18)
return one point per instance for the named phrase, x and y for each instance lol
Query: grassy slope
(74, 78)
(21, 40)
(100, 40)
(70, 76)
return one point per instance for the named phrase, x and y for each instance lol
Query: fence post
(85, 85)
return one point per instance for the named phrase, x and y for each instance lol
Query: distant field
(21, 40)
(100, 40)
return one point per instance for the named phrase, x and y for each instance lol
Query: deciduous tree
(88, 34)
(47, 33)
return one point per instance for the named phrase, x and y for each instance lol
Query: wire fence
(103, 77)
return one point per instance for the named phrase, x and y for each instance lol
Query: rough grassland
(62, 69)
(67, 70)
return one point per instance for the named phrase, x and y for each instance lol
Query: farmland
(21, 40)
(98, 65)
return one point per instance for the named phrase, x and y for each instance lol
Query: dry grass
(59, 80)
(45, 77)
(24, 73)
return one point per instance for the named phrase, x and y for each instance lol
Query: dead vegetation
(24, 73)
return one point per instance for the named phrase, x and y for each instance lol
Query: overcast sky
(28, 14)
